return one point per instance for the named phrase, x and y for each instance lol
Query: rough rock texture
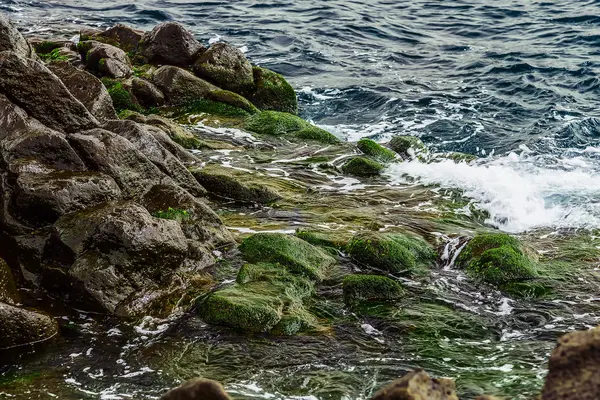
(147, 93)
(21, 327)
(197, 389)
(574, 367)
(170, 43)
(12, 40)
(33, 87)
(272, 92)
(418, 385)
(108, 60)
(86, 88)
(8, 289)
(180, 86)
(225, 66)
(121, 36)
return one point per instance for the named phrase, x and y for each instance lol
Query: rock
(121, 36)
(197, 389)
(233, 99)
(407, 146)
(171, 145)
(234, 185)
(33, 87)
(361, 166)
(418, 385)
(324, 238)
(117, 157)
(272, 92)
(375, 150)
(12, 118)
(8, 289)
(87, 89)
(225, 66)
(122, 98)
(394, 253)
(317, 134)
(148, 145)
(299, 256)
(146, 93)
(275, 123)
(574, 367)
(371, 288)
(45, 46)
(175, 131)
(107, 60)
(180, 86)
(20, 327)
(12, 40)
(170, 43)
(496, 258)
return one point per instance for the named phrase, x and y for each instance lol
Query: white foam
(519, 191)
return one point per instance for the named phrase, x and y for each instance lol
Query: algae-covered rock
(197, 389)
(275, 123)
(402, 145)
(299, 256)
(233, 99)
(107, 60)
(211, 107)
(336, 240)
(375, 150)
(272, 92)
(21, 327)
(121, 36)
(180, 86)
(121, 96)
(361, 166)
(459, 157)
(391, 252)
(317, 134)
(170, 43)
(496, 258)
(371, 288)
(225, 66)
(418, 385)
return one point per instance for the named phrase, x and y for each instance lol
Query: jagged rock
(117, 157)
(147, 93)
(180, 86)
(574, 367)
(171, 145)
(86, 88)
(108, 60)
(171, 44)
(8, 289)
(225, 66)
(12, 40)
(32, 86)
(418, 385)
(121, 36)
(147, 143)
(21, 327)
(12, 118)
(197, 389)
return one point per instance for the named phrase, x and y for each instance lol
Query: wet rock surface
(170, 43)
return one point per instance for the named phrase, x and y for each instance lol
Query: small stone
(20, 327)
(197, 389)
(418, 385)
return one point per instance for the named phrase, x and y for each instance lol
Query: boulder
(175, 131)
(574, 367)
(180, 86)
(197, 389)
(32, 86)
(363, 167)
(12, 118)
(407, 146)
(147, 93)
(117, 157)
(171, 145)
(121, 36)
(272, 92)
(86, 88)
(107, 60)
(225, 66)
(418, 385)
(233, 99)
(12, 40)
(20, 327)
(371, 288)
(170, 43)
(375, 150)
(8, 289)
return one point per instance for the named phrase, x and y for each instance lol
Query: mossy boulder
(317, 134)
(371, 288)
(232, 99)
(460, 157)
(336, 240)
(375, 150)
(362, 166)
(299, 256)
(496, 258)
(392, 252)
(272, 92)
(403, 144)
(121, 96)
(275, 123)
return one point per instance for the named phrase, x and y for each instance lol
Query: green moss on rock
(371, 288)
(299, 256)
(317, 134)
(121, 97)
(323, 239)
(275, 123)
(392, 252)
(233, 99)
(402, 144)
(496, 258)
(272, 92)
(207, 106)
(375, 150)
(361, 166)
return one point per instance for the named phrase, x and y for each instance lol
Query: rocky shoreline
(110, 205)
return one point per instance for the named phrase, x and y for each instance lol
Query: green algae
(172, 213)
(232, 99)
(272, 92)
(122, 99)
(336, 240)
(275, 123)
(54, 55)
(402, 144)
(361, 166)
(318, 135)
(206, 106)
(375, 150)
(371, 288)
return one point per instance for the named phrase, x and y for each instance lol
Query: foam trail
(520, 191)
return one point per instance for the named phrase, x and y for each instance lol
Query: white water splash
(520, 191)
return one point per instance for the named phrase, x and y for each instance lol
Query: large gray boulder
(147, 93)
(12, 40)
(33, 87)
(20, 327)
(107, 60)
(180, 86)
(225, 66)
(86, 88)
(121, 36)
(170, 43)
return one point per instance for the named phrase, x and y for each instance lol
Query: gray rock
(173, 147)
(108, 60)
(12, 118)
(180, 86)
(147, 94)
(21, 327)
(12, 40)
(225, 66)
(121, 36)
(87, 89)
(418, 385)
(34, 88)
(117, 157)
(170, 43)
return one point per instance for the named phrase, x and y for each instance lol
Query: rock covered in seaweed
(375, 150)
(272, 92)
(362, 166)
(371, 288)
(404, 145)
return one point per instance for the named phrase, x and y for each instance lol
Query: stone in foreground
(197, 389)
(418, 385)
(21, 327)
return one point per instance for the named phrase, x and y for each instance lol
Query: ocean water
(486, 78)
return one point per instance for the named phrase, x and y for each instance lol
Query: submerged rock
(371, 288)
(20, 327)
(403, 145)
(197, 389)
(272, 92)
(418, 385)
(375, 150)
(225, 66)
(8, 289)
(171, 44)
(361, 166)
